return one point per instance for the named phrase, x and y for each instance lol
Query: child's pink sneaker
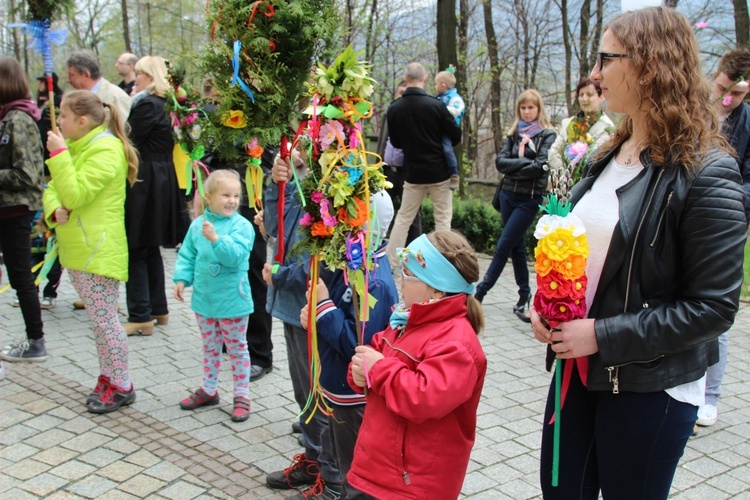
(241, 409)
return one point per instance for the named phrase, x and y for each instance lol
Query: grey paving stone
(92, 487)
(182, 490)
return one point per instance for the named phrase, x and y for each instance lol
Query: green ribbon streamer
(332, 112)
(556, 433)
(49, 259)
(195, 155)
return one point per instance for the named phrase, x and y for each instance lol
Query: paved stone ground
(51, 447)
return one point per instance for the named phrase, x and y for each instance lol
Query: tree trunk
(583, 40)
(349, 21)
(495, 71)
(568, 54)
(125, 26)
(741, 23)
(461, 85)
(14, 32)
(596, 38)
(446, 34)
(370, 36)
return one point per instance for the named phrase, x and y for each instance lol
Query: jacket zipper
(401, 351)
(83, 230)
(93, 252)
(407, 481)
(614, 377)
(661, 218)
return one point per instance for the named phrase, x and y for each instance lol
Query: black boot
(519, 309)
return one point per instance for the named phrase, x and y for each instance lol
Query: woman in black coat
(522, 161)
(151, 206)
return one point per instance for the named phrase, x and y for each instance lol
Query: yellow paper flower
(234, 119)
(561, 243)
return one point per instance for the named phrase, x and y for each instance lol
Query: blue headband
(428, 264)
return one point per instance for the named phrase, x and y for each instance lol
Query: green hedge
(478, 221)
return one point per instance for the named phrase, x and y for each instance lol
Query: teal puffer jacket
(217, 271)
(89, 180)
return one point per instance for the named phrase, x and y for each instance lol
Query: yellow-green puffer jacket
(89, 180)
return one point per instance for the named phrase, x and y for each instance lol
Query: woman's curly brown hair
(682, 120)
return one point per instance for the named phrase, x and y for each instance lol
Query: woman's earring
(642, 82)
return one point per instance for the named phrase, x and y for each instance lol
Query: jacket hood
(26, 105)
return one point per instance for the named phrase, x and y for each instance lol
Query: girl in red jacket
(424, 376)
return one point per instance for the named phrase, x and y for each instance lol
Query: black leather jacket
(527, 175)
(671, 282)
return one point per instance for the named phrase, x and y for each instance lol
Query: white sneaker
(47, 303)
(707, 415)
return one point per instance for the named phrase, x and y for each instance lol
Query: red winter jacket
(420, 418)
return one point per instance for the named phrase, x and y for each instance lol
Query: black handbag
(496, 198)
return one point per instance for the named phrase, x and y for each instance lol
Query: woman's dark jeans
(518, 212)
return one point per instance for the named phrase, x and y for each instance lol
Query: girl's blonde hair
(458, 251)
(535, 98)
(86, 103)
(156, 68)
(217, 177)
(682, 122)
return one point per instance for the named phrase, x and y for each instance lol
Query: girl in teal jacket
(215, 258)
(85, 203)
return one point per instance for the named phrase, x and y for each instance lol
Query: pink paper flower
(325, 213)
(328, 133)
(701, 24)
(316, 196)
(190, 119)
(727, 100)
(306, 220)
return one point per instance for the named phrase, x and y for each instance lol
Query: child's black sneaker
(321, 490)
(302, 471)
(199, 399)
(25, 350)
(101, 385)
(112, 399)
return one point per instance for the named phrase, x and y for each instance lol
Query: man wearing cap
(125, 67)
(84, 73)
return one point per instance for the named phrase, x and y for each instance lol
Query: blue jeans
(518, 212)
(450, 155)
(627, 444)
(715, 373)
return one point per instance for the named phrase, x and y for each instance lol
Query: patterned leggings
(99, 294)
(230, 332)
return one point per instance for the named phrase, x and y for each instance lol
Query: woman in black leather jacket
(522, 161)
(662, 204)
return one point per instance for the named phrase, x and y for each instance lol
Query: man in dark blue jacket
(731, 86)
(417, 124)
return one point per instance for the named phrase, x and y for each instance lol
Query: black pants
(258, 334)
(53, 276)
(344, 427)
(627, 445)
(145, 291)
(15, 240)
(396, 177)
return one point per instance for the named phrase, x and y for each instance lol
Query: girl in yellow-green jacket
(91, 160)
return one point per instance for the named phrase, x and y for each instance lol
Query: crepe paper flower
(353, 141)
(320, 229)
(548, 224)
(353, 174)
(561, 244)
(553, 287)
(177, 132)
(354, 253)
(576, 151)
(175, 119)
(307, 220)
(325, 213)
(316, 196)
(701, 24)
(326, 158)
(559, 310)
(358, 218)
(195, 132)
(234, 119)
(727, 100)
(571, 268)
(189, 119)
(329, 131)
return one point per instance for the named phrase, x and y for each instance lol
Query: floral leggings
(230, 332)
(99, 294)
